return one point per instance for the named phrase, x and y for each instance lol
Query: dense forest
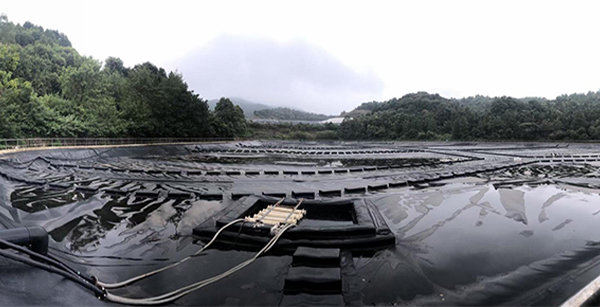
(289, 114)
(424, 116)
(48, 90)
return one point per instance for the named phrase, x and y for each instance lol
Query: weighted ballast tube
(36, 237)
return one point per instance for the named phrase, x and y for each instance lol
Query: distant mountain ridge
(248, 106)
(289, 114)
(255, 110)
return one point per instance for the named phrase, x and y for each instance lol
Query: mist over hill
(255, 110)
(293, 74)
(289, 114)
(248, 106)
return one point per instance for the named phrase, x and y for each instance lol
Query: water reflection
(460, 236)
(102, 224)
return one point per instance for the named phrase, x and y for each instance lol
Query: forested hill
(289, 114)
(47, 89)
(431, 116)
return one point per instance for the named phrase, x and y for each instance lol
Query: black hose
(89, 279)
(237, 237)
(100, 293)
(167, 260)
(49, 259)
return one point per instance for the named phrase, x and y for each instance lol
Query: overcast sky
(329, 56)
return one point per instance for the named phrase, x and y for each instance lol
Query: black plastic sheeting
(477, 229)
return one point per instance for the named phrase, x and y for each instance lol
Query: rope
(271, 209)
(293, 210)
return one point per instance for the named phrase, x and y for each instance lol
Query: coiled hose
(174, 295)
(140, 277)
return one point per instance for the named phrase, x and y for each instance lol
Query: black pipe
(100, 293)
(50, 259)
(35, 237)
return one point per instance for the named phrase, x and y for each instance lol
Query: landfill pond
(456, 223)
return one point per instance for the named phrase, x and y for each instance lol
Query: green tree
(228, 119)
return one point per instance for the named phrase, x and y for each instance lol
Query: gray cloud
(294, 74)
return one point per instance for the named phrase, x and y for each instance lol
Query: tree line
(424, 116)
(47, 89)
